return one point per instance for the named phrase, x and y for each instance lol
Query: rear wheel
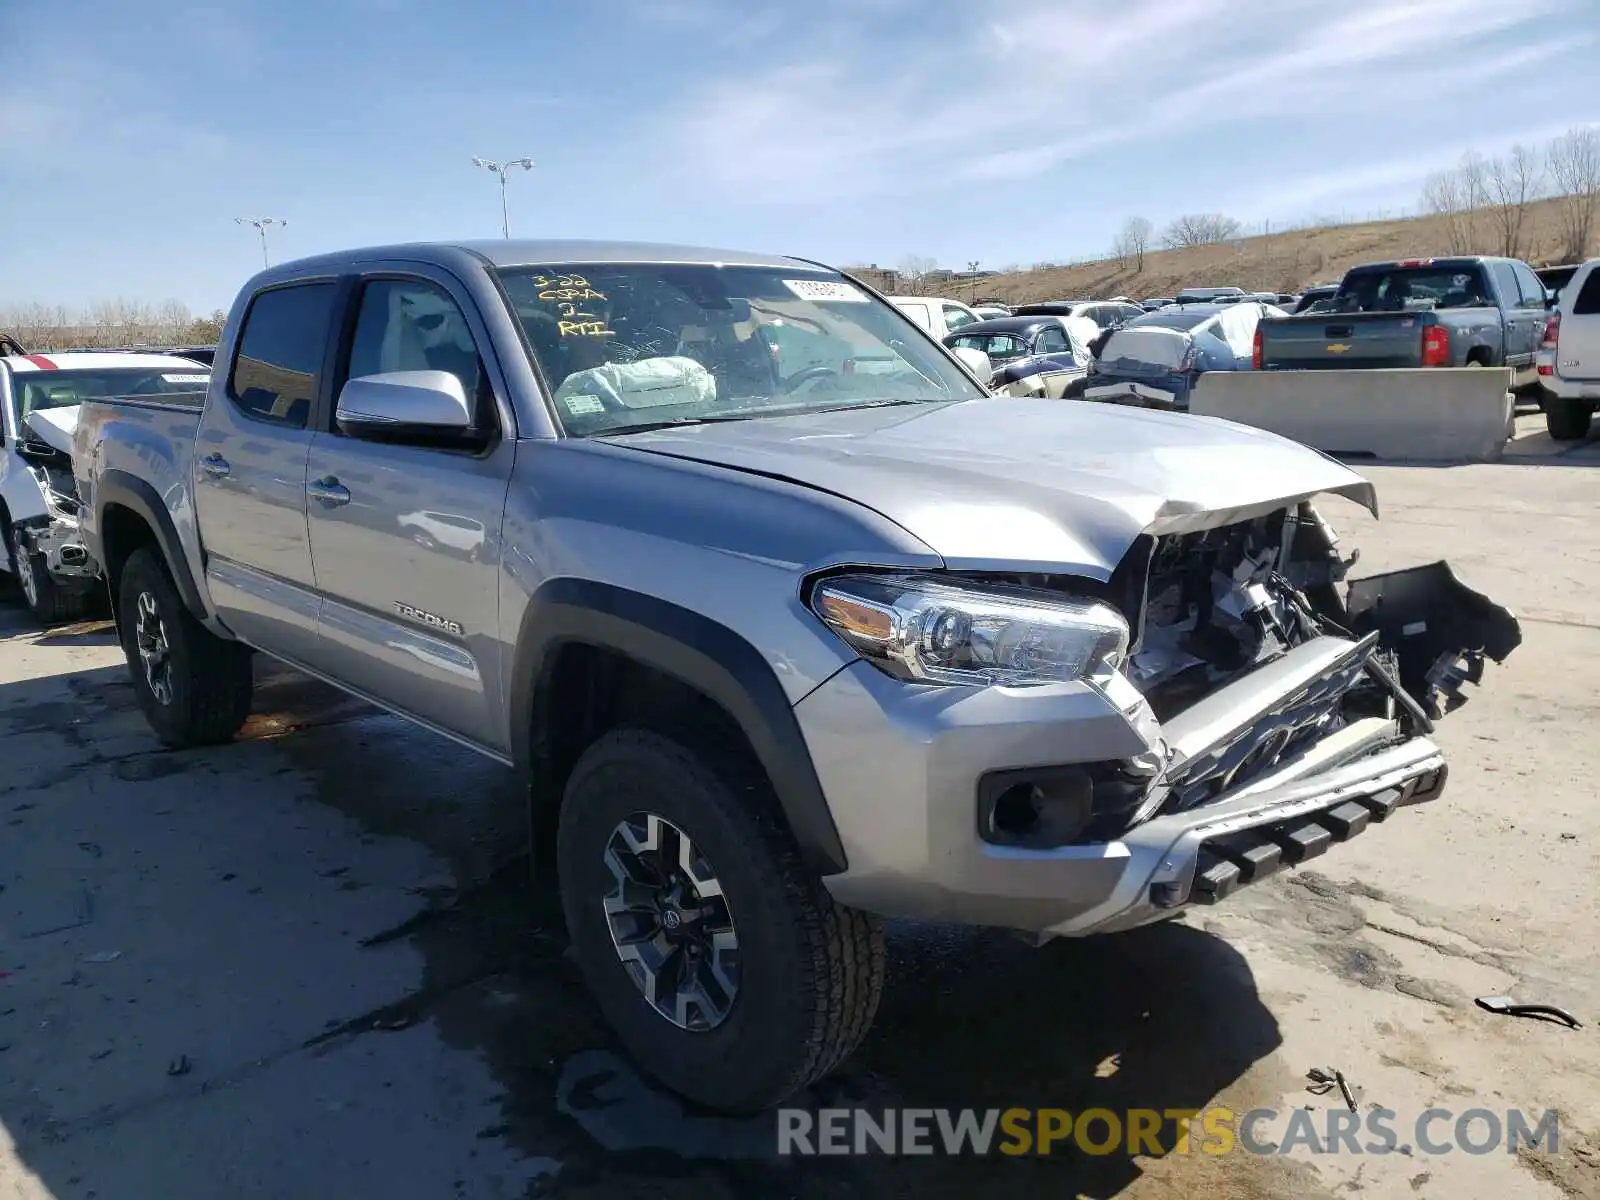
(1075, 389)
(50, 604)
(723, 965)
(1567, 420)
(193, 686)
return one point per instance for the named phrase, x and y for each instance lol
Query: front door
(406, 539)
(250, 470)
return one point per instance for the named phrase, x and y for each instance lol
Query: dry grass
(1279, 262)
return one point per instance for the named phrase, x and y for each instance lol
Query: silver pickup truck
(789, 624)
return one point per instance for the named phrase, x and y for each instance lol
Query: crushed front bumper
(60, 542)
(903, 767)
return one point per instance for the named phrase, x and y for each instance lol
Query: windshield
(998, 346)
(625, 345)
(1400, 288)
(61, 389)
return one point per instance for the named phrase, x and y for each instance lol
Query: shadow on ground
(1164, 1018)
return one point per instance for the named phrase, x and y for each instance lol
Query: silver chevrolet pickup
(788, 623)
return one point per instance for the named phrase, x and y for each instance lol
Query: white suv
(1569, 356)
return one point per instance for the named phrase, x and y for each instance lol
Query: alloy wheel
(670, 923)
(150, 634)
(22, 561)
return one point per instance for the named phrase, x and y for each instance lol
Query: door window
(1053, 340)
(955, 318)
(276, 367)
(1505, 282)
(1533, 293)
(414, 325)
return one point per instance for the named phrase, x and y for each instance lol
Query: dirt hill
(1279, 262)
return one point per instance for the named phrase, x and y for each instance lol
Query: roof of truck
(76, 360)
(530, 252)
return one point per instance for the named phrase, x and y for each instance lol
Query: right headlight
(920, 628)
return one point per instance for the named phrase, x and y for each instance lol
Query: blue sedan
(1155, 360)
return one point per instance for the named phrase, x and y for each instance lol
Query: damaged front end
(55, 535)
(1290, 705)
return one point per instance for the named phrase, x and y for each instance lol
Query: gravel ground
(310, 962)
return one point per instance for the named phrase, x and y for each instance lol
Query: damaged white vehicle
(39, 504)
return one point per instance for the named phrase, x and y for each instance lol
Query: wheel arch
(131, 514)
(571, 620)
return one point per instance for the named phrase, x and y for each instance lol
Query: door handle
(214, 465)
(328, 490)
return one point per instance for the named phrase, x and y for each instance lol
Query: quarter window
(276, 368)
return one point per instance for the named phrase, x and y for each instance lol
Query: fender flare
(119, 488)
(697, 651)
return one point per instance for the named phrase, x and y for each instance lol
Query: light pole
(261, 224)
(500, 169)
(972, 270)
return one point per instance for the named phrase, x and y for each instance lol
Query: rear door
(250, 469)
(406, 538)
(1057, 365)
(1578, 347)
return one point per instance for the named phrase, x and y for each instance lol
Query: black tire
(1075, 389)
(49, 603)
(208, 681)
(1567, 420)
(811, 970)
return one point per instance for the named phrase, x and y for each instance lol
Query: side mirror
(426, 407)
(975, 361)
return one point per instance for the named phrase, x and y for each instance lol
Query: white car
(1569, 356)
(938, 316)
(39, 505)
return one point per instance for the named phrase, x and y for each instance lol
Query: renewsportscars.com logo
(1155, 1132)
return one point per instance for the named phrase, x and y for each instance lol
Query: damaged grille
(1290, 726)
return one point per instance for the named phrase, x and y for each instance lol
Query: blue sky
(131, 134)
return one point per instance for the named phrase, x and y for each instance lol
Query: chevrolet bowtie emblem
(1338, 347)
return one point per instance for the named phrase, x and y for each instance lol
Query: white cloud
(962, 96)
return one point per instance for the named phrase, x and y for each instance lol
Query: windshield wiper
(869, 404)
(672, 423)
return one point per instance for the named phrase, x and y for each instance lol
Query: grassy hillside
(1279, 262)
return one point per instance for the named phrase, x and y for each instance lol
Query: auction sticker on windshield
(186, 379)
(825, 289)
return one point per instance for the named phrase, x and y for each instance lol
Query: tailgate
(1339, 341)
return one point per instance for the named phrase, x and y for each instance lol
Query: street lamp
(261, 224)
(500, 169)
(972, 270)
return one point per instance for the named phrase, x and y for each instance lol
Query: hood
(54, 426)
(1025, 485)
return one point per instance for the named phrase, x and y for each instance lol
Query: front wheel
(1567, 420)
(193, 687)
(723, 965)
(50, 604)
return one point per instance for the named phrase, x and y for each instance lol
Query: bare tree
(1574, 162)
(1443, 197)
(1133, 241)
(1512, 182)
(1199, 229)
(913, 267)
